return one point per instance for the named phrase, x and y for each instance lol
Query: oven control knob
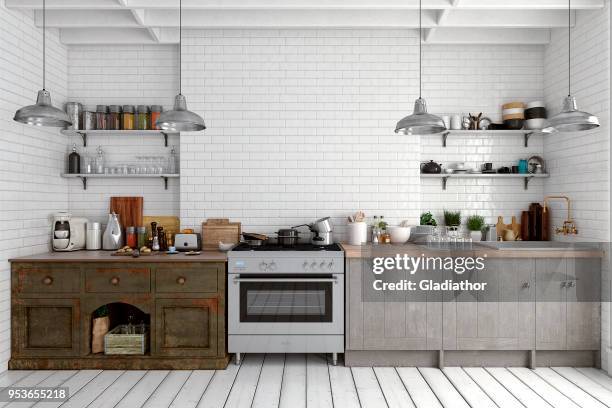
(305, 265)
(313, 265)
(263, 266)
(272, 266)
(322, 265)
(331, 265)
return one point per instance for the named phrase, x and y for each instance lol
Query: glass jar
(142, 236)
(143, 117)
(156, 110)
(101, 112)
(130, 237)
(114, 117)
(127, 117)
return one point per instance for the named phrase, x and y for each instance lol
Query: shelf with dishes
(91, 132)
(527, 177)
(525, 133)
(85, 176)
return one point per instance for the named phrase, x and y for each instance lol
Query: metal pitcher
(112, 239)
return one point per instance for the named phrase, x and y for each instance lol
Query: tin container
(89, 120)
(74, 110)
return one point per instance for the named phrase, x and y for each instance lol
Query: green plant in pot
(452, 218)
(475, 224)
(428, 219)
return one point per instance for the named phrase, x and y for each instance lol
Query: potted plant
(452, 218)
(428, 219)
(475, 224)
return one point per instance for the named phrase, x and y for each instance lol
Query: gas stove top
(243, 247)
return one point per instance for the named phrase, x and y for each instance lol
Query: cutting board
(129, 210)
(171, 224)
(216, 230)
(514, 226)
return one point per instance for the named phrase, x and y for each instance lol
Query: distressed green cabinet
(53, 306)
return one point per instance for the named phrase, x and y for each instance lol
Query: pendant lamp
(570, 119)
(180, 119)
(420, 122)
(43, 113)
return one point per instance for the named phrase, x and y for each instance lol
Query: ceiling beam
(82, 36)
(489, 36)
(306, 4)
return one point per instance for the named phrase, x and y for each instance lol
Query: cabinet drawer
(186, 278)
(47, 279)
(118, 279)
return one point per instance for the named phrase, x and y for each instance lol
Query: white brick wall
(123, 75)
(301, 124)
(31, 158)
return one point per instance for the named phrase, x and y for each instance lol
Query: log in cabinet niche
(53, 306)
(533, 312)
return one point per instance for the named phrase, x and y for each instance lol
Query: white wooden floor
(296, 381)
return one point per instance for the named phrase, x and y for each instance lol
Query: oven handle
(238, 280)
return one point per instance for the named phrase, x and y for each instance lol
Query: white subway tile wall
(301, 125)
(123, 75)
(31, 157)
(579, 163)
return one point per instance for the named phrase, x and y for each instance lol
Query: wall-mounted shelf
(84, 177)
(445, 176)
(525, 133)
(85, 133)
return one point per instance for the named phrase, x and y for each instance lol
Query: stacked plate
(513, 114)
(535, 115)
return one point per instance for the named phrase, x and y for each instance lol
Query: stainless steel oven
(287, 301)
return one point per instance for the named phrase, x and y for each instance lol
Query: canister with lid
(74, 110)
(143, 117)
(114, 117)
(93, 240)
(101, 119)
(156, 110)
(127, 117)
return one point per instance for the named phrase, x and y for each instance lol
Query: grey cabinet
(385, 320)
(568, 303)
(502, 316)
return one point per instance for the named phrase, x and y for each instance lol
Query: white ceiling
(445, 21)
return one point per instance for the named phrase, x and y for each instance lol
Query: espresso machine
(68, 232)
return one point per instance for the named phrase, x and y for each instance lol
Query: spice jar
(156, 110)
(143, 117)
(114, 117)
(127, 117)
(142, 236)
(101, 111)
(130, 237)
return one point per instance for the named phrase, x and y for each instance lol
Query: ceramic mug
(447, 121)
(455, 123)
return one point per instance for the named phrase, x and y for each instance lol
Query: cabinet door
(502, 316)
(583, 303)
(187, 327)
(399, 319)
(551, 305)
(46, 327)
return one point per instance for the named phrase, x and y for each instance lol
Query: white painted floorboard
(297, 380)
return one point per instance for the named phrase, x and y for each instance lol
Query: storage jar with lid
(143, 117)
(156, 110)
(127, 117)
(101, 119)
(141, 236)
(93, 240)
(114, 117)
(130, 237)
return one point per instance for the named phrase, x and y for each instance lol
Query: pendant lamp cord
(180, 47)
(420, 50)
(569, 47)
(44, 44)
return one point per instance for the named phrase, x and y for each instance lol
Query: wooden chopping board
(171, 224)
(216, 230)
(129, 209)
(514, 226)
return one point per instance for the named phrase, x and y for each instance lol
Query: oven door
(286, 304)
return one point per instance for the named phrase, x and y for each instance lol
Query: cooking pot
(431, 168)
(287, 237)
(322, 225)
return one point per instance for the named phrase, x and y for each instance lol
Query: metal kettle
(112, 239)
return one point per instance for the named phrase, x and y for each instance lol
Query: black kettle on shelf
(431, 167)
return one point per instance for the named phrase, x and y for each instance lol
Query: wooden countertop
(369, 250)
(105, 256)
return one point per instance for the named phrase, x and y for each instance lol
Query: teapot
(431, 167)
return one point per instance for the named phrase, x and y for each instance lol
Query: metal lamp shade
(420, 122)
(571, 119)
(180, 119)
(43, 113)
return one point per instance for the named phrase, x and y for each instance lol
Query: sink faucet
(569, 227)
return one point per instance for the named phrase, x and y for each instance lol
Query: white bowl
(399, 235)
(225, 247)
(536, 124)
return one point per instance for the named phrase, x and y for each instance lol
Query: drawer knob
(114, 281)
(47, 280)
(181, 280)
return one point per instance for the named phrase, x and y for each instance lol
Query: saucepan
(288, 237)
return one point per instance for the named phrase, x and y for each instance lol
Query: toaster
(187, 242)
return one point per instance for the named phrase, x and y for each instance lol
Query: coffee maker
(68, 232)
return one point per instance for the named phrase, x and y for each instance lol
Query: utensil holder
(357, 233)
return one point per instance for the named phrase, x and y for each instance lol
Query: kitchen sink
(538, 245)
